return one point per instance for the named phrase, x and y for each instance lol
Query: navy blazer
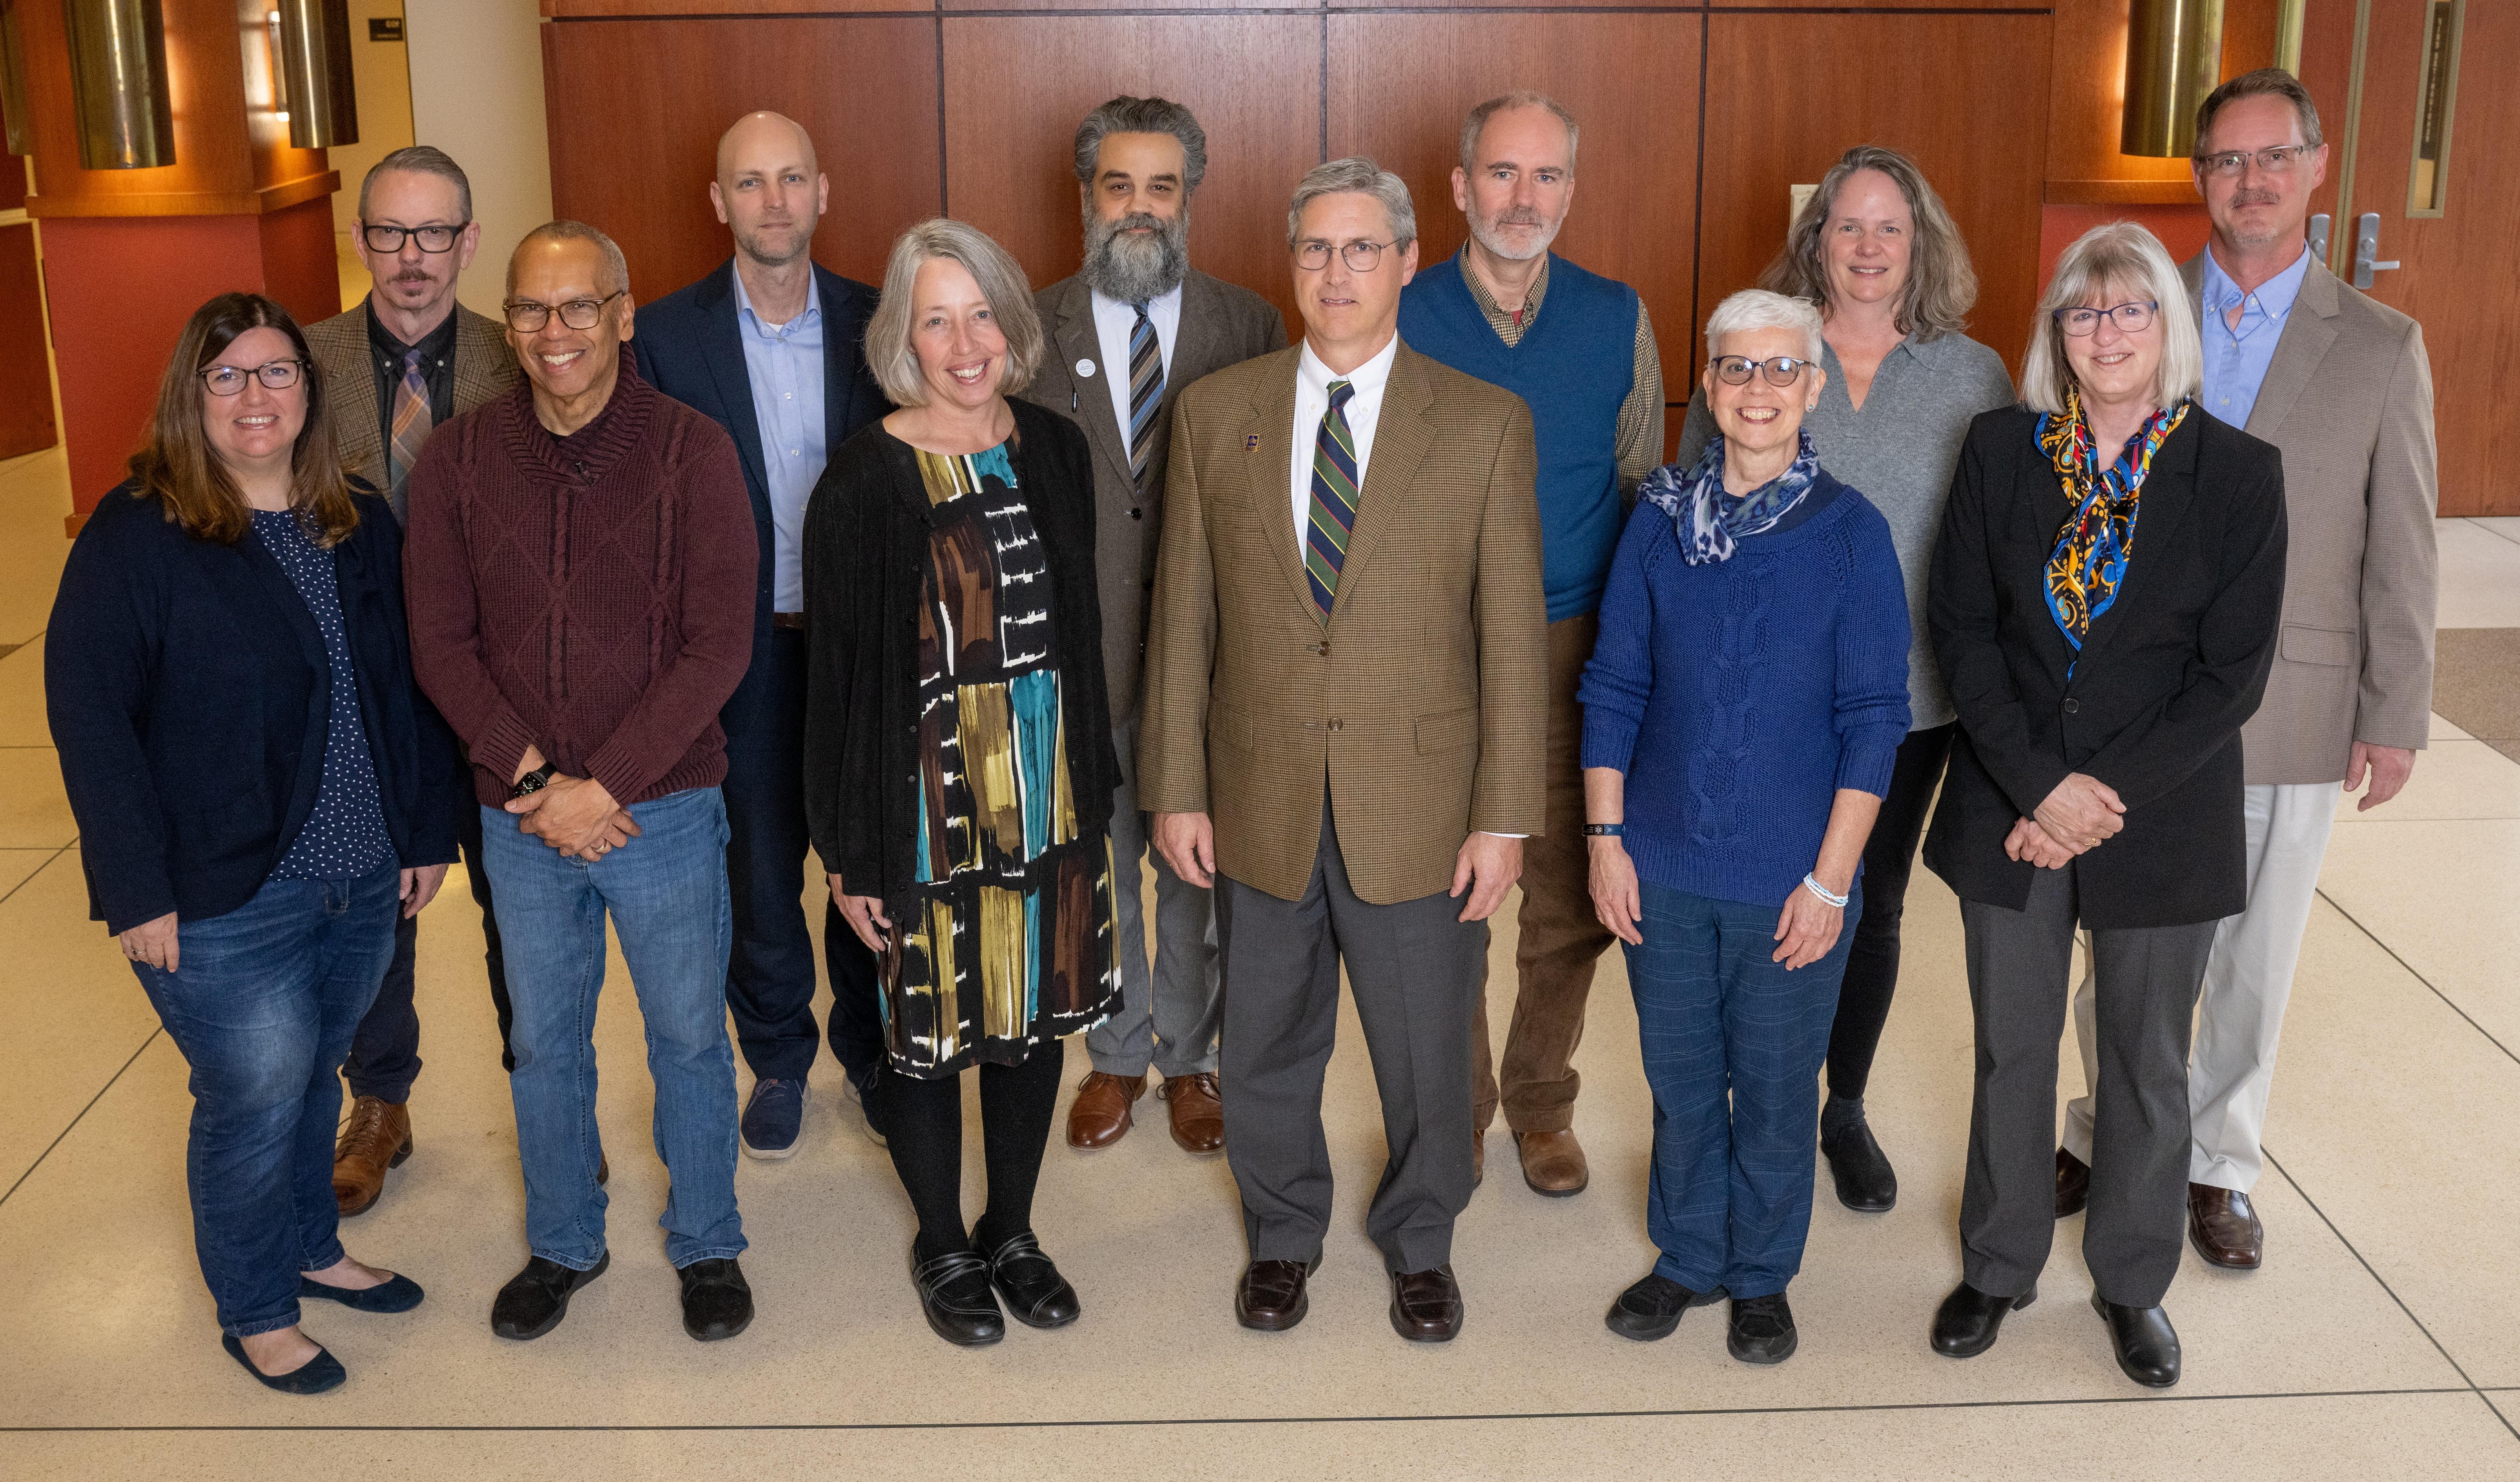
(190, 698)
(689, 346)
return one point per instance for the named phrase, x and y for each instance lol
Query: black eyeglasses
(229, 380)
(432, 239)
(1780, 369)
(2278, 160)
(2132, 317)
(524, 316)
(1359, 257)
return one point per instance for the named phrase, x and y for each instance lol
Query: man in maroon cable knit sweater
(579, 567)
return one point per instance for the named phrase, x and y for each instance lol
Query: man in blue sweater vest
(1589, 370)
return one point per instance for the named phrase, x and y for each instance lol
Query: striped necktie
(410, 422)
(1334, 499)
(1145, 391)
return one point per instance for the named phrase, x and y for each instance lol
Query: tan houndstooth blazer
(485, 366)
(1422, 702)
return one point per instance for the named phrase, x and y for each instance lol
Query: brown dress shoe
(1553, 1163)
(2073, 1184)
(2225, 1226)
(1100, 1115)
(1478, 1157)
(1271, 1294)
(1197, 1111)
(1425, 1305)
(375, 1138)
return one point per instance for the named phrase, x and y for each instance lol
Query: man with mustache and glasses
(770, 346)
(1580, 350)
(401, 364)
(1128, 332)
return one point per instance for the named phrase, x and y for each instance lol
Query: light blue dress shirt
(785, 364)
(2236, 356)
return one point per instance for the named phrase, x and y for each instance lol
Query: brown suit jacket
(1221, 325)
(1424, 699)
(485, 366)
(2349, 401)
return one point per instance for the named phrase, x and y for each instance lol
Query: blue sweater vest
(1574, 368)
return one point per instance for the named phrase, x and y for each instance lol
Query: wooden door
(25, 364)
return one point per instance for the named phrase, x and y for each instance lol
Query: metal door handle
(2367, 247)
(2319, 227)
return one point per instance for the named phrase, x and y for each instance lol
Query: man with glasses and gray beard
(1127, 332)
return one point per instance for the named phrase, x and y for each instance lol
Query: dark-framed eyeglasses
(275, 375)
(432, 239)
(524, 315)
(2277, 160)
(1359, 257)
(2132, 317)
(1779, 369)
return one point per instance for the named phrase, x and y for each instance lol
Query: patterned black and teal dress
(1006, 938)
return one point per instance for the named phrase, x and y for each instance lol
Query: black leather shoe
(1762, 1330)
(717, 1302)
(1651, 1308)
(536, 1298)
(2073, 1184)
(2147, 1346)
(1271, 1297)
(1425, 1305)
(394, 1294)
(954, 1292)
(312, 1377)
(1035, 1294)
(1968, 1321)
(1866, 1180)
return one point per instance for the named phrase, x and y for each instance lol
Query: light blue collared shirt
(785, 364)
(2236, 357)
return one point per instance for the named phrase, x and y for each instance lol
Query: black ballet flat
(312, 1377)
(400, 1294)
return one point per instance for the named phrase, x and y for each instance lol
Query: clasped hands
(2079, 816)
(574, 815)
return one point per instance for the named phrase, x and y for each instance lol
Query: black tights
(1873, 957)
(923, 1122)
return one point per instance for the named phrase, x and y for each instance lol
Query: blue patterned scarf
(1708, 520)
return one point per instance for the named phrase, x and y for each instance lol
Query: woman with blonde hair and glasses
(1878, 252)
(2105, 602)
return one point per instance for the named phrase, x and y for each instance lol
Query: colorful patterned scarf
(1709, 520)
(2088, 564)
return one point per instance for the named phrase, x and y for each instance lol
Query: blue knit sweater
(1739, 696)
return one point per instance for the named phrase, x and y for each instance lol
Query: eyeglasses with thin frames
(1779, 369)
(2132, 317)
(432, 239)
(275, 375)
(524, 315)
(2277, 160)
(1359, 257)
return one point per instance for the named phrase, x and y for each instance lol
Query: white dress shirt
(1313, 400)
(1113, 322)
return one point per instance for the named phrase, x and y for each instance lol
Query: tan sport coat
(1423, 701)
(485, 366)
(2349, 401)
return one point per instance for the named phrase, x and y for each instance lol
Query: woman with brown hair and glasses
(259, 789)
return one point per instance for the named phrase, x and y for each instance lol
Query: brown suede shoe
(375, 1138)
(1425, 1305)
(2073, 1184)
(1553, 1163)
(1100, 1115)
(1271, 1295)
(2225, 1226)
(1197, 1111)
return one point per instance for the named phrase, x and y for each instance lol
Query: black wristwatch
(1604, 830)
(534, 781)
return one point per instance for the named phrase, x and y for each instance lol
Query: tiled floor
(2382, 1339)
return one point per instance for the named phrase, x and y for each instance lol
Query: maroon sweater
(590, 595)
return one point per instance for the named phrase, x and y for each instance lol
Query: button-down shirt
(1113, 322)
(2236, 356)
(1313, 400)
(784, 362)
(437, 367)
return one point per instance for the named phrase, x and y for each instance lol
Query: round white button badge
(1085, 368)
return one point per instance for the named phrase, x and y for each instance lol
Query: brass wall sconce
(2174, 59)
(315, 87)
(118, 84)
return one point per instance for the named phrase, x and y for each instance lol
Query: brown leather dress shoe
(1553, 1163)
(1100, 1115)
(2225, 1226)
(1425, 1305)
(375, 1138)
(1197, 1111)
(2073, 1184)
(1271, 1294)
(1478, 1157)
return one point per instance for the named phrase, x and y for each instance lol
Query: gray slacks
(1415, 969)
(2020, 964)
(1166, 1019)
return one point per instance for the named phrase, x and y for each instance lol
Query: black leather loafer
(2147, 1346)
(397, 1294)
(1035, 1294)
(1966, 1323)
(954, 1293)
(717, 1302)
(1762, 1330)
(1866, 1182)
(312, 1377)
(536, 1298)
(1652, 1307)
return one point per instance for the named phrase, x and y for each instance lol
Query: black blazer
(690, 346)
(2166, 677)
(190, 698)
(865, 549)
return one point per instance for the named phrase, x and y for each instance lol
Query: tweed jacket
(1221, 325)
(2349, 402)
(485, 366)
(1423, 701)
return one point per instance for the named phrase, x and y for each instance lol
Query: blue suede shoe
(400, 1294)
(862, 1095)
(774, 1119)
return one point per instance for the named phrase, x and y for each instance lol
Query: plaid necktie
(1145, 390)
(410, 422)
(1335, 498)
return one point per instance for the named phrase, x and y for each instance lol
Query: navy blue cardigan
(190, 698)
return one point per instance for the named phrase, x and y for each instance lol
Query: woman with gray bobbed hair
(1742, 710)
(957, 757)
(2102, 649)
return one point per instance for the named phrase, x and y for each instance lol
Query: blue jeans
(667, 895)
(263, 1002)
(1732, 1048)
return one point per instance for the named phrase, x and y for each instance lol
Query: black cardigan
(190, 698)
(2167, 675)
(865, 549)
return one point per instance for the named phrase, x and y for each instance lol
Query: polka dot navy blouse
(345, 837)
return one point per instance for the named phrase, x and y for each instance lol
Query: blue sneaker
(774, 1118)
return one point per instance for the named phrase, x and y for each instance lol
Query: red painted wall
(2182, 228)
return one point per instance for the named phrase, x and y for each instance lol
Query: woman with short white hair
(1742, 713)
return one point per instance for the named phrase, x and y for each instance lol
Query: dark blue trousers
(384, 1054)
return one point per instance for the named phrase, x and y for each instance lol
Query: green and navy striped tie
(1334, 496)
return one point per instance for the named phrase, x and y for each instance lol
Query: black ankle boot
(1866, 1180)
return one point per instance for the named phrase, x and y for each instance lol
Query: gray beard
(1494, 242)
(1133, 270)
